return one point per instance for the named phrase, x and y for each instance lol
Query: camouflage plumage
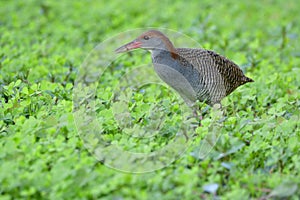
(219, 75)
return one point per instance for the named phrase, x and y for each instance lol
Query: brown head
(151, 40)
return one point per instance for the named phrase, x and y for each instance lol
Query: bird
(196, 74)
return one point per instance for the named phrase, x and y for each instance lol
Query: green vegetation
(44, 43)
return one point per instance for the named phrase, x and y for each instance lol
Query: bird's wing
(209, 63)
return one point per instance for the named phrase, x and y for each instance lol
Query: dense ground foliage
(44, 43)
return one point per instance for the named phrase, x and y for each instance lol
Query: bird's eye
(146, 37)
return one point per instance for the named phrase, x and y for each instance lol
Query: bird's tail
(247, 80)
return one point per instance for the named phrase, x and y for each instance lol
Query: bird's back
(217, 74)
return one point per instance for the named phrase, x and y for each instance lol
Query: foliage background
(43, 43)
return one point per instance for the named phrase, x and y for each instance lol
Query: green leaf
(285, 189)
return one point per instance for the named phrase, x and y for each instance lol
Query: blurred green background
(43, 44)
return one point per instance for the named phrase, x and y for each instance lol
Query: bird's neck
(172, 54)
(158, 52)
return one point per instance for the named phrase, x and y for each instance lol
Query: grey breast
(180, 75)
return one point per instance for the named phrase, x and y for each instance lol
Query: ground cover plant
(43, 45)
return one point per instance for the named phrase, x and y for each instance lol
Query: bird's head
(151, 40)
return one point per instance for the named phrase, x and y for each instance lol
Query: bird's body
(196, 74)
